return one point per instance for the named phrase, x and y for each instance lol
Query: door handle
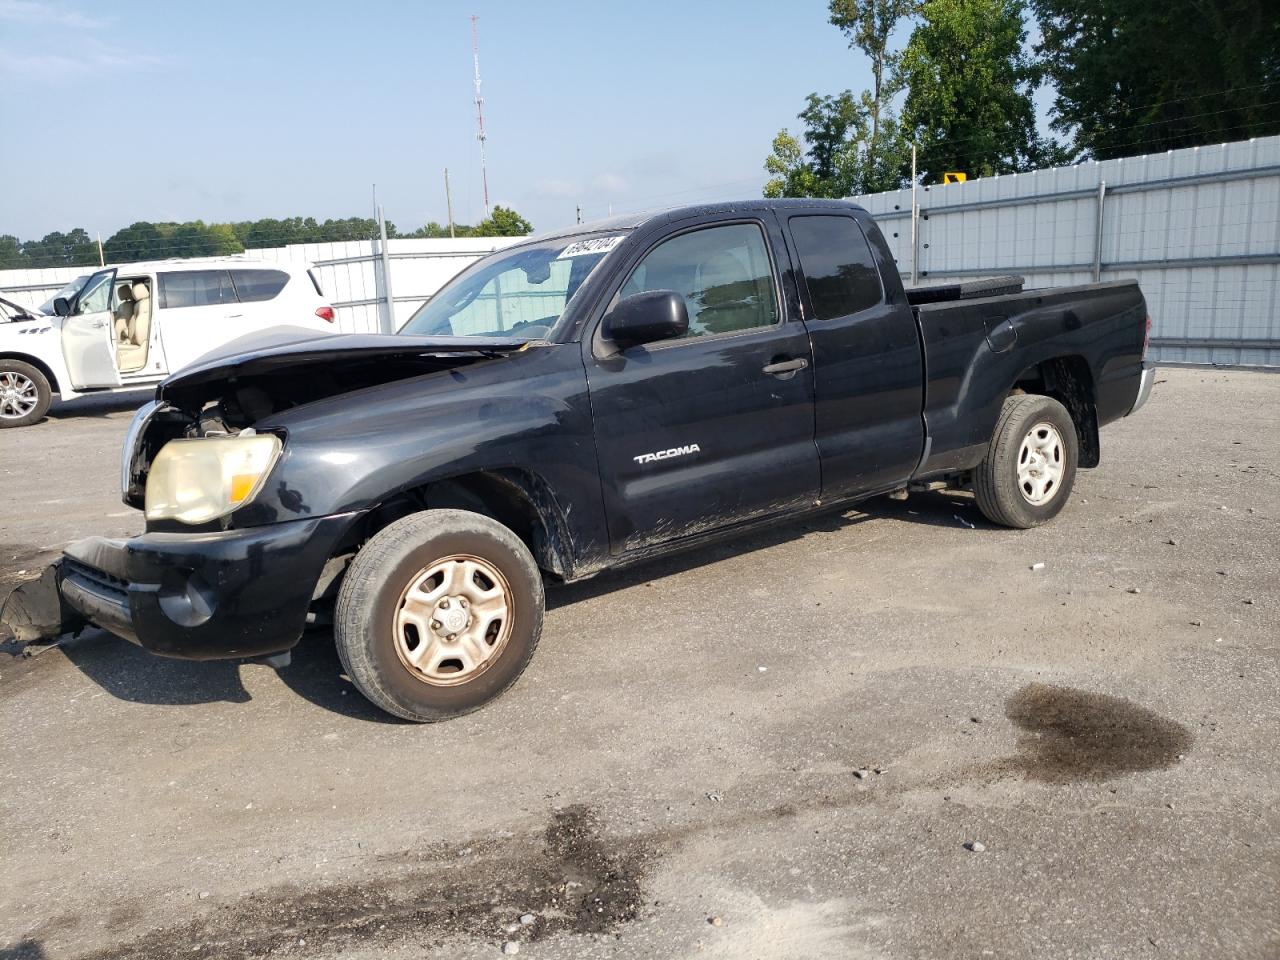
(98, 324)
(785, 368)
(234, 316)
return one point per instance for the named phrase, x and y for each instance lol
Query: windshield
(69, 291)
(521, 293)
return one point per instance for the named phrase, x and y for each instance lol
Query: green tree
(10, 252)
(430, 231)
(503, 222)
(969, 83)
(135, 242)
(839, 155)
(59, 249)
(868, 25)
(1137, 77)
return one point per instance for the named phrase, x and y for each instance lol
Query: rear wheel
(25, 394)
(1030, 466)
(439, 614)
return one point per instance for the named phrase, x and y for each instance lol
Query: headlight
(195, 481)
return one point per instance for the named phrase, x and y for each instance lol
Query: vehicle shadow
(935, 508)
(95, 406)
(129, 673)
(944, 508)
(24, 949)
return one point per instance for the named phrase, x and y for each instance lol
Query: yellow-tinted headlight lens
(195, 481)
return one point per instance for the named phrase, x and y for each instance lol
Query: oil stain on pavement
(573, 881)
(1073, 735)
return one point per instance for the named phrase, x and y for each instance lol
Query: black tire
(373, 647)
(1001, 496)
(44, 393)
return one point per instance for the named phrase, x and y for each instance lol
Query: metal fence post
(1097, 236)
(915, 218)
(388, 314)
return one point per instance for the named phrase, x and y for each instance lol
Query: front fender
(522, 415)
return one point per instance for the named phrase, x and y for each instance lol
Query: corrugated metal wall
(1198, 228)
(349, 273)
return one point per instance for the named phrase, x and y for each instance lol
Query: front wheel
(438, 614)
(25, 394)
(1030, 466)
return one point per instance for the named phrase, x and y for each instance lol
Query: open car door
(87, 334)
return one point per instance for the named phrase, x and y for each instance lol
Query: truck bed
(975, 346)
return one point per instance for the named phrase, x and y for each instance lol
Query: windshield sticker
(585, 248)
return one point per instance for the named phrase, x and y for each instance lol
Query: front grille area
(99, 581)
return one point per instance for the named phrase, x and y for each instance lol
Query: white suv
(129, 326)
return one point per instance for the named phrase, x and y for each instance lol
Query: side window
(96, 295)
(838, 266)
(723, 273)
(195, 288)
(255, 285)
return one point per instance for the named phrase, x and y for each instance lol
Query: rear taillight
(1146, 340)
(326, 313)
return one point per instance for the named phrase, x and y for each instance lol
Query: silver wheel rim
(18, 395)
(453, 620)
(1041, 464)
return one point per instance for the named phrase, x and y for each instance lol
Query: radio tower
(475, 56)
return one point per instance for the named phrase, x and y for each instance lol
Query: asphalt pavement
(875, 734)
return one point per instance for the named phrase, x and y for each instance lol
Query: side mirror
(647, 317)
(62, 307)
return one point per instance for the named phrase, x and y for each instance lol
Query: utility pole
(475, 56)
(448, 199)
(101, 261)
(388, 324)
(915, 217)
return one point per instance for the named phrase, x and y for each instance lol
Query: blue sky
(230, 110)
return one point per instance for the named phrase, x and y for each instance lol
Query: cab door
(869, 384)
(87, 342)
(716, 427)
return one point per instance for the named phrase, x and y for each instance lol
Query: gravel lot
(773, 748)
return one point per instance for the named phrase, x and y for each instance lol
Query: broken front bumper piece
(198, 596)
(36, 611)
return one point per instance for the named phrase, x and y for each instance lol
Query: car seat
(122, 316)
(131, 348)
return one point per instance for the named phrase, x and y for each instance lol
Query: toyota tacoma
(577, 402)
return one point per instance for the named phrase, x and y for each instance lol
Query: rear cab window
(839, 269)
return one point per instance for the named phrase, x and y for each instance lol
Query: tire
(1030, 466)
(412, 583)
(21, 384)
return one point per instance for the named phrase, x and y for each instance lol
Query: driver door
(87, 335)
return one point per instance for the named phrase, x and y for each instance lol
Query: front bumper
(1144, 386)
(203, 596)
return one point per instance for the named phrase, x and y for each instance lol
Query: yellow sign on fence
(954, 176)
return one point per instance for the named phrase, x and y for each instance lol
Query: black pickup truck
(577, 402)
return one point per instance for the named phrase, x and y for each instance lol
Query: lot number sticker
(595, 245)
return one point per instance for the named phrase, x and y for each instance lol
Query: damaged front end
(223, 589)
(225, 395)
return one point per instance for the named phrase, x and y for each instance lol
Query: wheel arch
(519, 499)
(36, 362)
(1069, 380)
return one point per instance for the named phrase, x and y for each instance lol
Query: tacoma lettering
(668, 454)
